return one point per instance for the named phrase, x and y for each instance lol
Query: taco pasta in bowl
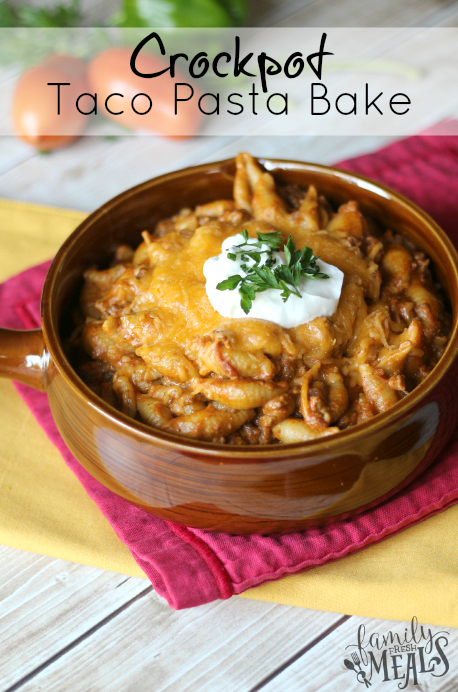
(249, 346)
(305, 354)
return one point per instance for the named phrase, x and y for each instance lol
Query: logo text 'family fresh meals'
(406, 656)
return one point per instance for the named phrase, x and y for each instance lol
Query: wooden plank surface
(45, 604)
(94, 170)
(322, 13)
(71, 627)
(321, 668)
(226, 646)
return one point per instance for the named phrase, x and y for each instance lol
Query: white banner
(305, 81)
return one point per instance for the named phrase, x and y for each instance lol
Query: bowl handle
(23, 357)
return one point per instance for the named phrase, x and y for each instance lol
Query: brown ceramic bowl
(259, 489)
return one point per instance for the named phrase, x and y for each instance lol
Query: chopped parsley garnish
(283, 277)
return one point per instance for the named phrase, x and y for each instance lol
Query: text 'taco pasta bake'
(272, 317)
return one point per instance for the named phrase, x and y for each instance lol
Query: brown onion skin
(110, 72)
(34, 108)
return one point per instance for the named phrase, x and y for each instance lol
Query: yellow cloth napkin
(44, 509)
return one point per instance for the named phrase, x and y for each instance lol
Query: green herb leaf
(319, 275)
(287, 251)
(248, 294)
(175, 13)
(270, 275)
(230, 283)
(7, 16)
(307, 254)
(266, 276)
(65, 15)
(247, 290)
(236, 9)
(273, 240)
(246, 304)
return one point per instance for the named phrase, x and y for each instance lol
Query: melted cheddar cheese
(160, 352)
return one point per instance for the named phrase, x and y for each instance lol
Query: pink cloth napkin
(190, 567)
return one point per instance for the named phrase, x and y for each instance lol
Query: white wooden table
(65, 626)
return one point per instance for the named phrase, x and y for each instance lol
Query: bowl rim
(252, 453)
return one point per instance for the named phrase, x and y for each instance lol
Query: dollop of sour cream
(319, 297)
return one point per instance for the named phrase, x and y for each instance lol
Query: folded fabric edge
(372, 539)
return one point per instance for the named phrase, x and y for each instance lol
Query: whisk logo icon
(398, 656)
